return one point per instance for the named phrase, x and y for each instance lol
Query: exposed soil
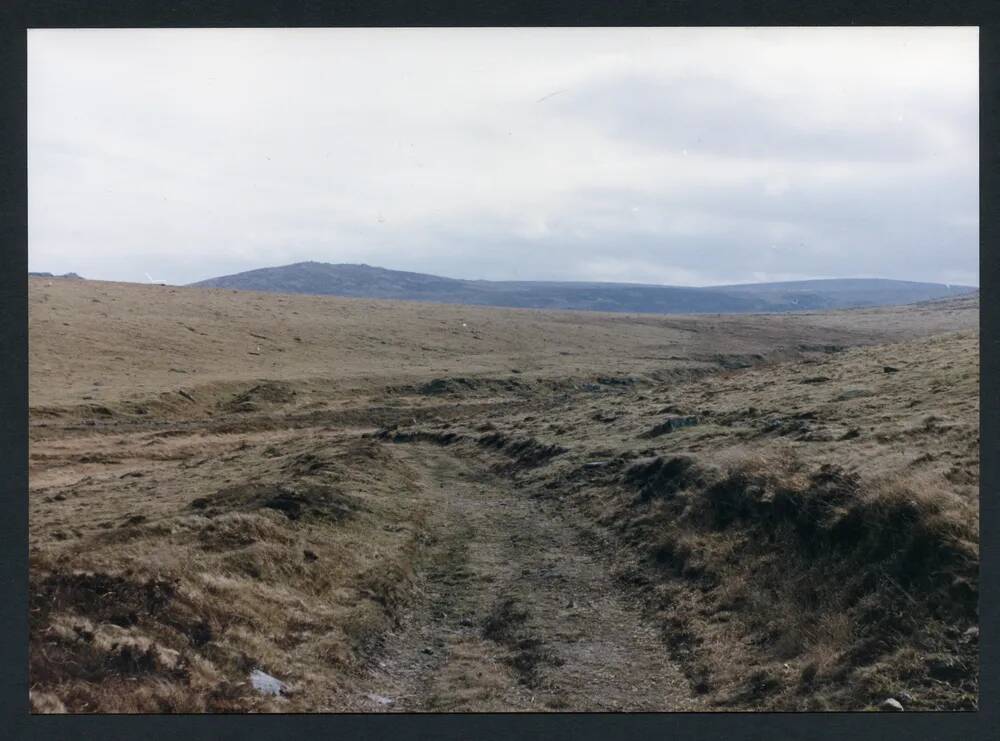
(520, 613)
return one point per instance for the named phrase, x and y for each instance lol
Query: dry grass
(171, 614)
(809, 542)
(794, 567)
(99, 343)
(831, 573)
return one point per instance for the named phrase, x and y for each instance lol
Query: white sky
(680, 156)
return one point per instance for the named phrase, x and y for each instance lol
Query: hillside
(97, 341)
(364, 281)
(389, 507)
(71, 276)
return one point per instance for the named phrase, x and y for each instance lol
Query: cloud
(686, 156)
(702, 115)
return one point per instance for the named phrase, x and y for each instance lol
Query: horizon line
(194, 283)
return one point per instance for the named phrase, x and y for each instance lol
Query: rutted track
(516, 613)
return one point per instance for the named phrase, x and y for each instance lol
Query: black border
(16, 17)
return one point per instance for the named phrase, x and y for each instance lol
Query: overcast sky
(678, 156)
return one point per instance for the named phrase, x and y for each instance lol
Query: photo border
(16, 17)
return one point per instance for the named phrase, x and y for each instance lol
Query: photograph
(503, 369)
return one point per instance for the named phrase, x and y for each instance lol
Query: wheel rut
(513, 613)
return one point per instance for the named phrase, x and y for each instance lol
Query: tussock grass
(844, 577)
(299, 579)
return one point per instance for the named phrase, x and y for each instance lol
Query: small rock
(906, 696)
(427, 650)
(971, 634)
(309, 556)
(380, 699)
(889, 369)
(266, 684)
(891, 705)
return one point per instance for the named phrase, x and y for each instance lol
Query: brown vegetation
(391, 511)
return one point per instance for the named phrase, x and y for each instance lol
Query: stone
(266, 684)
(891, 705)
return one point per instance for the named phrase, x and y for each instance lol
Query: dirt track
(518, 612)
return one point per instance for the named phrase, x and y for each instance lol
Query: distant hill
(365, 281)
(52, 275)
